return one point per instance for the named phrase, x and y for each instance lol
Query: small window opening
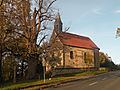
(71, 54)
(85, 57)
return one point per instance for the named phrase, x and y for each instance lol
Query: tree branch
(49, 7)
(1, 3)
(21, 35)
(42, 39)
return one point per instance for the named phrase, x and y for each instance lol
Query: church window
(85, 57)
(71, 54)
(57, 27)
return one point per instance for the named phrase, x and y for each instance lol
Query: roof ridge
(76, 35)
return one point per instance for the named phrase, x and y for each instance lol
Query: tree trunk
(22, 69)
(14, 79)
(0, 67)
(32, 64)
(0, 72)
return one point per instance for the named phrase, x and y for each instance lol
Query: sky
(96, 19)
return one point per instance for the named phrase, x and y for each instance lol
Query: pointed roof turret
(58, 15)
(58, 23)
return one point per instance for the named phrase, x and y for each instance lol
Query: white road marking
(92, 83)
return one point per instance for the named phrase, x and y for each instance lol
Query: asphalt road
(107, 81)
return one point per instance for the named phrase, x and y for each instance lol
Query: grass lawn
(90, 73)
(60, 78)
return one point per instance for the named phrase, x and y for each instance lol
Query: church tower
(58, 23)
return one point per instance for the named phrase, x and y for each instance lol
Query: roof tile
(77, 40)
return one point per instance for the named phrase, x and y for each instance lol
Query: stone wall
(103, 69)
(57, 63)
(78, 60)
(60, 71)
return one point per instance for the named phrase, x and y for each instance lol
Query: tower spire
(58, 15)
(58, 23)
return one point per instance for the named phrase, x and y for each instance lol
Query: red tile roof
(76, 40)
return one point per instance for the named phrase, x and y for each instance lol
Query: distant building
(78, 52)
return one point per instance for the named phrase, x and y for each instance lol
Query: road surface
(106, 81)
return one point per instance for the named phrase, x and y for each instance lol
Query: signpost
(118, 33)
(44, 67)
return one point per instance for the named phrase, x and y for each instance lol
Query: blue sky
(97, 19)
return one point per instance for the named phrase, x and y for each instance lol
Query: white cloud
(117, 11)
(97, 11)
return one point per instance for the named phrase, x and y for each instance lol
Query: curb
(56, 83)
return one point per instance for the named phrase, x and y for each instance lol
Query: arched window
(71, 54)
(85, 57)
(57, 27)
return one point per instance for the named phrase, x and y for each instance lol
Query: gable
(55, 41)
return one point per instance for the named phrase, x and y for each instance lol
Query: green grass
(82, 73)
(9, 86)
(90, 73)
(21, 84)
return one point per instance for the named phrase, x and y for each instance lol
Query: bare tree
(6, 35)
(29, 23)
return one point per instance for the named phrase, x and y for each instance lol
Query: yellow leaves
(102, 57)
